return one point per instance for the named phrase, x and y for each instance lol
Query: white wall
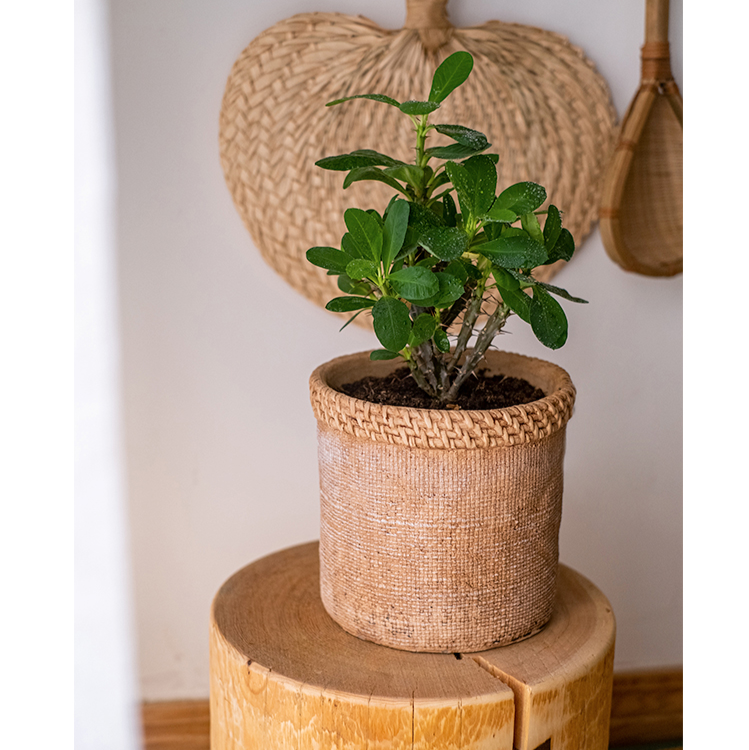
(106, 689)
(218, 349)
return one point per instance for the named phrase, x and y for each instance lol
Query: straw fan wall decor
(541, 103)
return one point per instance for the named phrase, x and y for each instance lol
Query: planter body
(440, 528)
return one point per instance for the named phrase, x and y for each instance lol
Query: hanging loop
(429, 18)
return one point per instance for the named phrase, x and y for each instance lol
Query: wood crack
(522, 714)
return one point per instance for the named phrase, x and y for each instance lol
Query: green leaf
(450, 211)
(378, 354)
(376, 216)
(563, 248)
(450, 290)
(472, 271)
(361, 268)
(453, 151)
(484, 174)
(440, 180)
(552, 228)
(429, 262)
(351, 319)
(493, 157)
(464, 136)
(459, 177)
(419, 220)
(414, 283)
(357, 159)
(458, 269)
(410, 173)
(372, 173)
(412, 107)
(514, 252)
(503, 215)
(350, 287)
(524, 280)
(504, 279)
(507, 231)
(374, 97)
(396, 225)
(365, 232)
(560, 292)
(423, 329)
(328, 257)
(519, 302)
(530, 224)
(347, 304)
(491, 232)
(441, 340)
(452, 72)
(445, 243)
(521, 198)
(475, 181)
(547, 319)
(421, 217)
(392, 323)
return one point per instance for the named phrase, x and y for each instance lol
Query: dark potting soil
(481, 391)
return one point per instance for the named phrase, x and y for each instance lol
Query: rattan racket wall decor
(552, 121)
(641, 204)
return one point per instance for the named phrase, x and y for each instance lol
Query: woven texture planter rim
(443, 428)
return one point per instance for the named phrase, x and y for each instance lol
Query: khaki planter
(439, 528)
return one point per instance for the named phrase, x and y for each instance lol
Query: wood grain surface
(637, 715)
(563, 676)
(284, 675)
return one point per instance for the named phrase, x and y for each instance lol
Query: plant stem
(424, 356)
(496, 320)
(421, 137)
(469, 321)
(419, 378)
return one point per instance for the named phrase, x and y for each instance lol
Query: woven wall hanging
(642, 205)
(539, 100)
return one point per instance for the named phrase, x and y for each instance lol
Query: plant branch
(424, 356)
(469, 321)
(496, 320)
(419, 378)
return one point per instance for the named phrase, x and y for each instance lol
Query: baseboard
(645, 707)
(176, 725)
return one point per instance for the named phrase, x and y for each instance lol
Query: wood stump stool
(285, 676)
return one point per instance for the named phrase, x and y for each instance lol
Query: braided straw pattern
(428, 549)
(438, 428)
(540, 102)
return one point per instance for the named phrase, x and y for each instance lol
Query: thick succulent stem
(496, 320)
(424, 358)
(466, 330)
(425, 364)
(418, 376)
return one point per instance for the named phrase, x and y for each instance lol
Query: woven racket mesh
(642, 202)
(540, 102)
(438, 549)
(653, 188)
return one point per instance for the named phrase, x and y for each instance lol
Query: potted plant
(441, 499)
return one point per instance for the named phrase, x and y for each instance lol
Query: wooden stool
(285, 676)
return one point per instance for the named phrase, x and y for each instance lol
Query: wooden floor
(646, 713)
